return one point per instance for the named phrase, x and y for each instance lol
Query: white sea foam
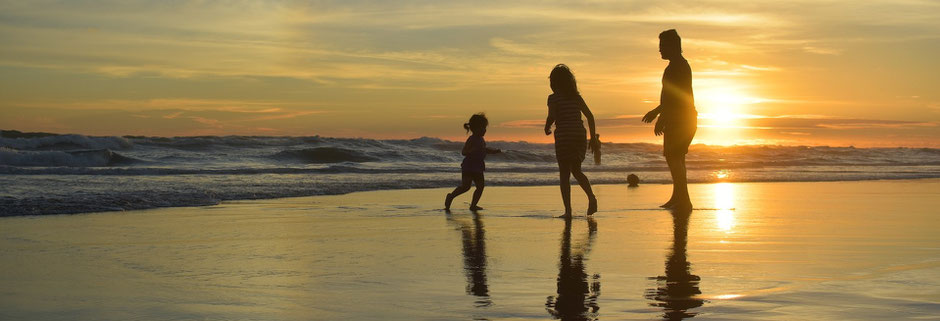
(143, 172)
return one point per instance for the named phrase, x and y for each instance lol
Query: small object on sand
(633, 180)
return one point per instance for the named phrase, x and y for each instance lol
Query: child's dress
(473, 161)
(570, 135)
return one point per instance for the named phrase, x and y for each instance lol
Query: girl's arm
(467, 148)
(590, 118)
(549, 121)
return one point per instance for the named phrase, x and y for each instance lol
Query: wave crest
(81, 158)
(322, 155)
(65, 142)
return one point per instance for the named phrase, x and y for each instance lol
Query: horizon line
(4, 133)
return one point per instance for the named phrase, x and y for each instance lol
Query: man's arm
(651, 115)
(660, 126)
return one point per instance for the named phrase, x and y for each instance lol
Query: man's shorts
(676, 140)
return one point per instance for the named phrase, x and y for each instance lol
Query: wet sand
(777, 251)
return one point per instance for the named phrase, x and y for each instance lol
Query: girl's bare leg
(464, 187)
(564, 174)
(478, 181)
(586, 186)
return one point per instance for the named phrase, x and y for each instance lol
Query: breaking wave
(48, 173)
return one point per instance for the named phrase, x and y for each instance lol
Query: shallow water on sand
(783, 251)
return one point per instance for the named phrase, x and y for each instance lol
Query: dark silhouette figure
(474, 257)
(633, 180)
(577, 298)
(565, 107)
(676, 291)
(677, 117)
(471, 170)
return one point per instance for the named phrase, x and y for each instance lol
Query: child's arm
(549, 121)
(467, 148)
(590, 118)
(472, 145)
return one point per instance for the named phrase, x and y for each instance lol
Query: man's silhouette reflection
(676, 291)
(577, 298)
(474, 257)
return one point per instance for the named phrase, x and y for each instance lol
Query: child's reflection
(577, 298)
(474, 256)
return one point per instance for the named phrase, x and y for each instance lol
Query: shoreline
(623, 184)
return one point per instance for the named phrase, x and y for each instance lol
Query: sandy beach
(759, 251)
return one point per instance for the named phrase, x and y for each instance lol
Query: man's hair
(671, 38)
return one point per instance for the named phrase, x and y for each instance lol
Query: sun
(723, 106)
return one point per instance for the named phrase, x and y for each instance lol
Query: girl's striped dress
(570, 136)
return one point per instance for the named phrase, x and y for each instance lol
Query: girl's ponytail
(477, 121)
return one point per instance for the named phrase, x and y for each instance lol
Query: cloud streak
(276, 62)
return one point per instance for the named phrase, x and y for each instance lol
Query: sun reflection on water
(721, 174)
(727, 296)
(724, 194)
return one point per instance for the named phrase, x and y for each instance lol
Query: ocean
(58, 174)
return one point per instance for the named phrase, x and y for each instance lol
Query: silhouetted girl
(565, 107)
(474, 151)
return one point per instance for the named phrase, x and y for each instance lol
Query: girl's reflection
(577, 298)
(675, 292)
(474, 257)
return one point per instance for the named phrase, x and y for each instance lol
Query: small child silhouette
(474, 151)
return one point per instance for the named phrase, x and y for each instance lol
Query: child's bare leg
(477, 192)
(464, 187)
(564, 174)
(586, 186)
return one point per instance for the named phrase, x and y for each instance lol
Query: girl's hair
(670, 39)
(478, 120)
(562, 80)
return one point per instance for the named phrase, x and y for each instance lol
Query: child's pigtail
(466, 126)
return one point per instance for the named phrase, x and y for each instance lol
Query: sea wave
(319, 155)
(79, 158)
(65, 142)
(48, 173)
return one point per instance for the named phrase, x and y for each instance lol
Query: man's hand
(548, 130)
(651, 115)
(659, 127)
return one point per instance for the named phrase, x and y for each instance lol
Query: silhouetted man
(677, 117)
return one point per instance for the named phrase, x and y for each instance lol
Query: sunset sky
(861, 73)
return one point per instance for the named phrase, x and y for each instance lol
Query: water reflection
(577, 297)
(675, 292)
(474, 257)
(724, 195)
